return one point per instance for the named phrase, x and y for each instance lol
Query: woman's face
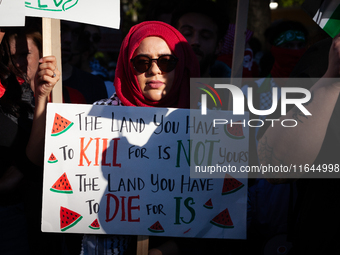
(154, 83)
(25, 55)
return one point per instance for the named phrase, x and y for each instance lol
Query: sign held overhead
(103, 13)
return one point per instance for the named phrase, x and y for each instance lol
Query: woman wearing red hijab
(167, 49)
(154, 67)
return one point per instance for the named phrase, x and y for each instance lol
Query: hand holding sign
(46, 77)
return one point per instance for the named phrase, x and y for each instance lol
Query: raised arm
(302, 144)
(46, 77)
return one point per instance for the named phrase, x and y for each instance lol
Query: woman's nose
(154, 69)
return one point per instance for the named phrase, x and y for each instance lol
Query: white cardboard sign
(104, 13)
(125, 170)
(12, 13)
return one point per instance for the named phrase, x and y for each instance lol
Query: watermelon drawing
(68, 218)
(52, 159)
(156, 228)
(235, 131)
(231, 185)
(223, 220)
(60, 125)
(95, 225)
(208, 204)
(62, 185)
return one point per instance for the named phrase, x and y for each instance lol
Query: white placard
(125, 170)
(12, 13)
(105, 13)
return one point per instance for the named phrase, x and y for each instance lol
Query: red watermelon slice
(156, 228)
(223, 220)
(60, 125)
(186, 231)
(52, 159)
(235, 131)
(68, 218)
(95, 225)
(231, 185)
(62, 185)
(208, 204)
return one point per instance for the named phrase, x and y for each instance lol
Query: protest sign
(12, 13)
(125, 170)
(100, 12)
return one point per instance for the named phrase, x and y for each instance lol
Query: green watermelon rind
(54, 161)
(72, 225)
(208, 206)
(94, 228)
(220, 225)
(232, 136)
(156, 231)
(63, 131)
(62, 191)
(232, 191)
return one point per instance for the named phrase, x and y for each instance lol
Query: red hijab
(126, 84)
(2, 90)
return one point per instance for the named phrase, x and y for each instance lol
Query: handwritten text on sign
(100, 12)
(125, 170)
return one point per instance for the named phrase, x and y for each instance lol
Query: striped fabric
(105, 244)
(326, 13)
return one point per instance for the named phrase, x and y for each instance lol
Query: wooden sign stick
(239, 45)
(52, 46)
(142, 245)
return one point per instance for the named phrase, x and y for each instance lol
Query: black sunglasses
(166, 63)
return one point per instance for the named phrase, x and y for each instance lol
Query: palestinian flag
(326, 13)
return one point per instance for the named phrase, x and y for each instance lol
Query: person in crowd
(250, 66)
(269, 205)
(21, 145)
(26, 49)
(95, 61)
(153, 70)
(204, 24)
(161, 10)
(287, 41)
(89, 37)
(73, 45)
(313, 142)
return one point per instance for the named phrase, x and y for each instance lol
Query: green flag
(325, 13)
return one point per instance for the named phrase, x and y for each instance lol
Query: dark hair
(280, 26)
(32, 28)
(215, 11)
(12, 102)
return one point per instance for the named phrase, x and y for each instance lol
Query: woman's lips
(155, 84)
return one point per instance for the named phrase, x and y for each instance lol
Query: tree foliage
(290, 3)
